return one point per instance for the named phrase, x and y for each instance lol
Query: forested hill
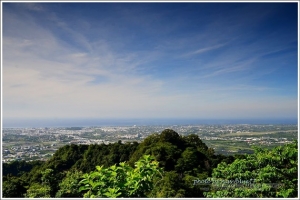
(183, 163)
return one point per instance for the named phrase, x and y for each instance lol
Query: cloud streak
(53, 69)
(205, 49)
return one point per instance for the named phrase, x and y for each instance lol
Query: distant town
(41, 143)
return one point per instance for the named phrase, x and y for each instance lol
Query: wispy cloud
(205, 49)
(53, 69)
(62, 78)
(32, 7)
(242, 66)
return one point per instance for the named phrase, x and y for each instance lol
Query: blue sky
(150, 60)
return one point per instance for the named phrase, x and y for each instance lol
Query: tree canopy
(162, 165)
(266, 173)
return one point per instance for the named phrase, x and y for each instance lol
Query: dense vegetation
(163, 165)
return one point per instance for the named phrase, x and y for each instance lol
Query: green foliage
(65, 157)
(45, 188)
(167, 154)
(191, 189)
(175, 185)
(17, 168)
(168, 187)
(38, 191)
(185, 156)
(190, 159)
(103, 154)
(169, 135)
(175, 163)
(13, 187)
(170, 150)
(193, 140)
(144, 148)
(267, 173)
(122, 180)
(70, 184)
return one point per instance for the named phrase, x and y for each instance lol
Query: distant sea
(27, 123)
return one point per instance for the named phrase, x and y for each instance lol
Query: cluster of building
(28, 153)
(41, 143)
(251, 140)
